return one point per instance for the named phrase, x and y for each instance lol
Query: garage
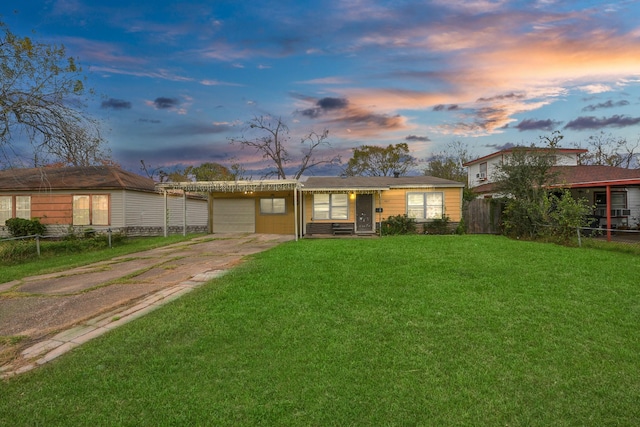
(234, 216)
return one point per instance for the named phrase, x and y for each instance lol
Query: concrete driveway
(56, 312)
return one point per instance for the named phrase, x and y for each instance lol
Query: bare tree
(275, 145)
(448, 164)
(41, 100)
(605, 149)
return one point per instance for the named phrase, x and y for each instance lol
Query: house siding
(394, 201)
(131, 212)
(633, 203)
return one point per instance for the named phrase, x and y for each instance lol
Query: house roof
(537, 149)
(370, 183)
(73, 178)
(594, 175)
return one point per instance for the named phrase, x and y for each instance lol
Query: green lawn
(418, 330)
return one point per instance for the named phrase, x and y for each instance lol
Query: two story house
(614, 192)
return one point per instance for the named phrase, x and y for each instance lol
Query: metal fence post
(38, 244)
(579, 239)
(109, 233)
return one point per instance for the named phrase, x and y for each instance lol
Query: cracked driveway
(38, 307)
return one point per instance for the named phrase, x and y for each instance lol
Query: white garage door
(234, 216)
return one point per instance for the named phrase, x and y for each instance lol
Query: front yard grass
(416, 330)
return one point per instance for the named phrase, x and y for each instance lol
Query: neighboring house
(96, 197)
(614, 192)
(325, 205)
(480, 172)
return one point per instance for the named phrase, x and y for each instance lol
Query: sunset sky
(176, 80)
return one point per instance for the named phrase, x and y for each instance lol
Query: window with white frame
(483, 171)
(6, 209)
(100, 209)
(425, 205)
(618, 203)
(273, 206)
(330, 206)
(23, 207)
(91, 210)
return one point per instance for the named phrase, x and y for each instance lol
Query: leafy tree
(205, 172)
(41, 93)
(523, 178)
(209, 172)
(448, 164)
(566, 214)
(532, 208)
(371, 160)
(274, 143)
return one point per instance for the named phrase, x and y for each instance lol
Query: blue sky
(176, 80)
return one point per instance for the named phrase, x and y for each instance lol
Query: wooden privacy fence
(483, 216)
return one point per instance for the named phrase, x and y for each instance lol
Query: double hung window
(273, 206)
(330, 206)
(91, 209)
(425, 205)
(22, 206)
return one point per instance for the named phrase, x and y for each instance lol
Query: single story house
(324, 205)
(99, 198)
(358, 203)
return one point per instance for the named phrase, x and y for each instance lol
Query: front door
(364, 212)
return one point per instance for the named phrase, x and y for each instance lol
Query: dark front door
(364, 212)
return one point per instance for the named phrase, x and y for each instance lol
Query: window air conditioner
(620, 212)
(482, 176)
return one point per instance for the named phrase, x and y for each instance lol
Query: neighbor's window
(22, 204)
(81, 210)
(425, 205)
(618, 200)
(331, 206)
(100, 209)
(23, 207)
(483, 170)
(273, 206)
(91, 210)
(6, 211)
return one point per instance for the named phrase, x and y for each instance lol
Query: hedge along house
(357, 204)
(98, 198)
(265, 206)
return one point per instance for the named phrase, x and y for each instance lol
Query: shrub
(398, 224)
(19, 227)
(437, 226)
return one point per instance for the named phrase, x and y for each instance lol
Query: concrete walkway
(58, 312)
